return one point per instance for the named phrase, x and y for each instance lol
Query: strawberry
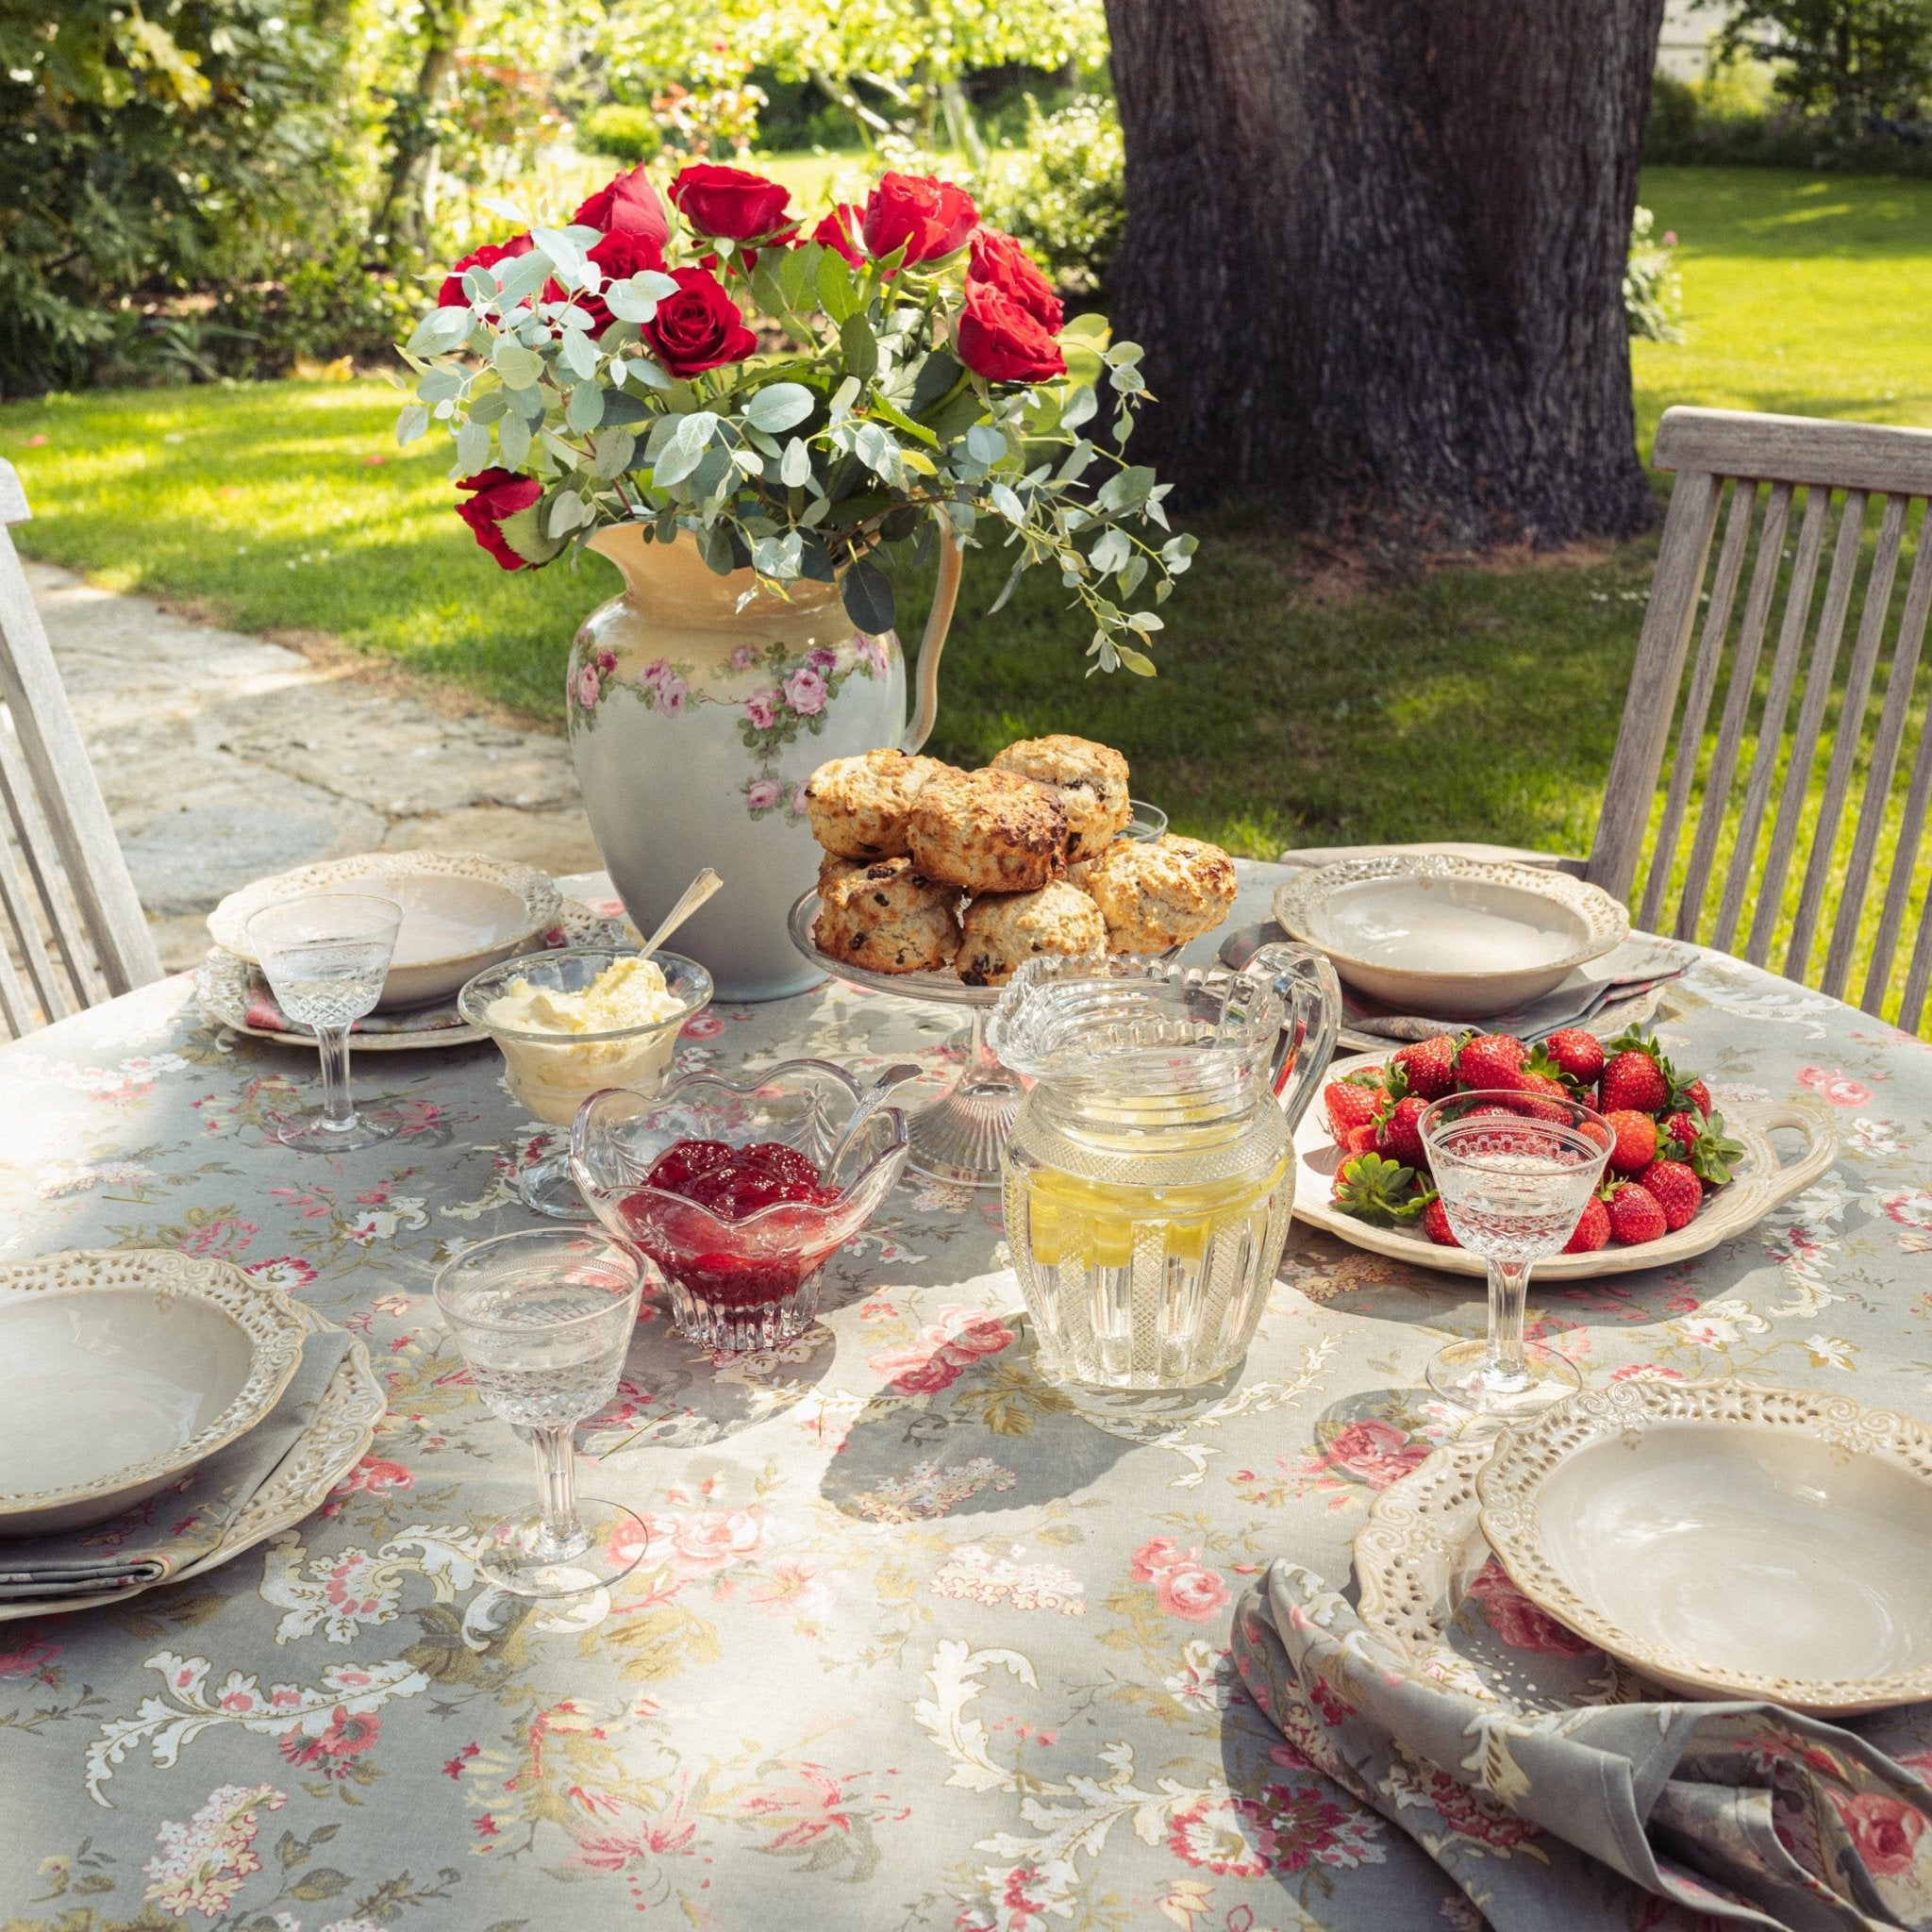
(1677, 1191)
(1377, 1189)
(1490, 1060)
(1430, 1066)
(1395, 1134)
(1436, 1225)
(1635, 1216)
(1634, 1144)
(1351, 1102)
(1359, 1139)
(1592, 1231)
(1632, 1083)
(1580, 1054)
(1697, 1094)
(1701, 1145)
(1552, 1102)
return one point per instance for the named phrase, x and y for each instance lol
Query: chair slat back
(1810, 879)
(71, 927)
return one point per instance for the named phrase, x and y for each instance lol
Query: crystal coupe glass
(326, 956)
(543, 1319)
(1515, 1173)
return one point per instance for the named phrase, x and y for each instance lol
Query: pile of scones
(928, 867)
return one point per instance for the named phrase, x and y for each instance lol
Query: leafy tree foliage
(1853, 59)
(144, 151)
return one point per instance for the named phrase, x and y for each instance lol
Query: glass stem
(1508, 1291)
(556, 1490)
(336, 1109)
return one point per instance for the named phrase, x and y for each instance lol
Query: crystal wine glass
(543, 1319)
(1515, 1173)
(326, 956)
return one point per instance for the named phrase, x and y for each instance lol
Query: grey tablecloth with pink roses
(918, 1639)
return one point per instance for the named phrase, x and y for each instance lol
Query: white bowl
(1727, 1540)
(1428, 933)
(460, 913)
(122, 1369)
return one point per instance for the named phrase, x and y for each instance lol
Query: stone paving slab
(224, 757)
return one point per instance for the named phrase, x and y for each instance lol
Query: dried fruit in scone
(1159, 892)
(857, 807)
(1003, 930)
(988, 832)
(1091, 780)
(885, 916)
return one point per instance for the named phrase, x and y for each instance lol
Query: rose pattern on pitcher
(790, 698)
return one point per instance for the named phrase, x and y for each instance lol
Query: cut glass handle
(1305, 981)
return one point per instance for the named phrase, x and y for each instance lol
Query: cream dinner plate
(123, 1368)
(460, 913)
(1727, 1540)
(1426, 932)
(1760, 1181)
(337, 1438)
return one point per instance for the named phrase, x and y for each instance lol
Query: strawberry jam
(732, 1184)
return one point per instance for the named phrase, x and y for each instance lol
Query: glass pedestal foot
(546, 1187)
(960, 1139)
(520, 1559)
(1466, 1373)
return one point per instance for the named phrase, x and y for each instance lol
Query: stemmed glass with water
(1515, 1173)
(543, 1319)
(326, 956)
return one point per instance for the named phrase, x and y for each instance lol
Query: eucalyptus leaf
(684, 449)
(522, 277)
(614, 449)
(859, 346)
(714, 471)
(1081, 407)
(578, 354)
(868, 596)
(518, 366)
(568, 512)
(1008, 504)
(513, 439)
(1132, 573)
(439, 386)
(629, 302)
(714, 546)
(412, 423)
(937, 375)
(1110, 550)
(473, 448)
(1138, 663)
(1006, 590)
(779, 406)
(439, 332)
(1090, 328)
(815, 560)
(567, 257)
(641, 369)
(984, 444)
(585, 409)
(620, 407)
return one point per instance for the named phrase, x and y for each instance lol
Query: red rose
(500, 493)
(730, 202)
(839, 230)
(621, 254)
(450, 294)
(627, 201)
(930, 218)
(698, 327)
(1000, 341)
(999, 260)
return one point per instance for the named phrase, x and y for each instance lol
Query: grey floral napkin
(1599, 1817)
(162, 1536)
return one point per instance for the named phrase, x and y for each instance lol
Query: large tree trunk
(1375, 251)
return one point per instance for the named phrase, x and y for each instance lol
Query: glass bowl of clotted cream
(574, 1022)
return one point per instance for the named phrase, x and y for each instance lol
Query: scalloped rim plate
(1299, 903)
(338, 1437)
(222, 983)
(262, 1314)
(1761, 1182)
(1582, 1436)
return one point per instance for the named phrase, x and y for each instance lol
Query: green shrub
(1850, 60)
(1063, 193)
(1653, 291)
(625, 134)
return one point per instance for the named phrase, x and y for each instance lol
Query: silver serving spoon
(695, 894)
(869, 1104)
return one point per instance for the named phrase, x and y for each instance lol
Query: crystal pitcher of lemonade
(1151, 1172)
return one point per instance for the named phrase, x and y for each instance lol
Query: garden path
(224, 757)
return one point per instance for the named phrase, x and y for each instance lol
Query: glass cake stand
(959, 1137)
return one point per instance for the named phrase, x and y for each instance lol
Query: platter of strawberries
(1682, 1176)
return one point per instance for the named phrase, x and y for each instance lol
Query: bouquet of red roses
(804, 404)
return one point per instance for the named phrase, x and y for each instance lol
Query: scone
(1091, 780)
(988, 832)
(856, 807)
(1161, 892)
(1006, 929)
(886, 917)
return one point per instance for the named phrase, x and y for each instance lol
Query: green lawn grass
(1469, 702)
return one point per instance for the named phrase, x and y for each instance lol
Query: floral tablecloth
(917, 1639)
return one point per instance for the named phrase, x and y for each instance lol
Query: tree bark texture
(1375, 251)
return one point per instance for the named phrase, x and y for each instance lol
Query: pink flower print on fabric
(1183, 1585)
(1836, 1088)
(200, 1865)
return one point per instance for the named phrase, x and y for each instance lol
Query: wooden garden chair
(1768, 839)
(72, 932)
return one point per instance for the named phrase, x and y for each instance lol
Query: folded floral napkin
(162, 1536)
(263, 1013)
(1598, 1816)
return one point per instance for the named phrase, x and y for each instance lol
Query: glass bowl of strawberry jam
(724, 1187)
